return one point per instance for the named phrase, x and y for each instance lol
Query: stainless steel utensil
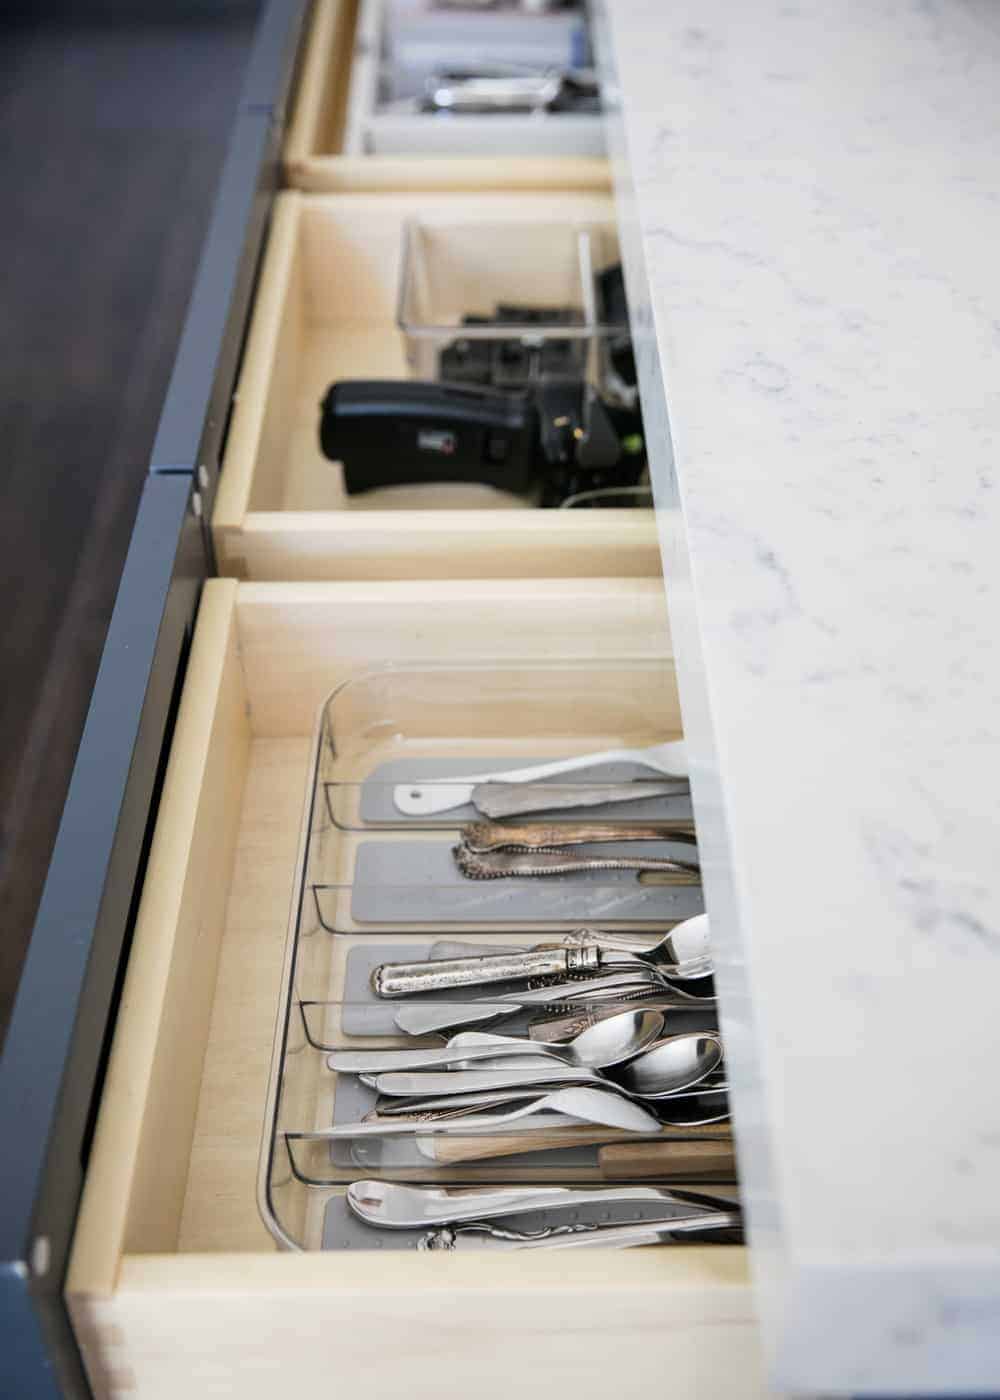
(518, 799)
(392, 1205)
(611, 1042)
(411, 1084)
(572, 1236)
(673, 1064)
(481, 837)
(499, 865)
(576, 1104)
(681, 953)
(430, 796)
(439, 974)
(636, 982)
(677, 1063)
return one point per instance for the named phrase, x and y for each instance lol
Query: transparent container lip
(588, 329)
(288, 1003)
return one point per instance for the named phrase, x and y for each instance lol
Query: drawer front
(195, 410)
(55, 1048)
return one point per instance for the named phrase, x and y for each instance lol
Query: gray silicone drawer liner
(405, 882)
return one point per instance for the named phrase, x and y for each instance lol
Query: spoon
(675, 1063)
(434, 795)
(674, 953)
(609, 1042)
(391, 1205)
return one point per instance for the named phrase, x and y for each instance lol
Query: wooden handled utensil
(689, 1160)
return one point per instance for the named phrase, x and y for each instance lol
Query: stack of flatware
(461, 1218)
(492, 851)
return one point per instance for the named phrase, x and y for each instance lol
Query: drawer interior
(326, 311)
(173, 1168)
(314, 150)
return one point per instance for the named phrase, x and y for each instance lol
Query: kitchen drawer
(313, 155)
(325, 310)
(174, 1284)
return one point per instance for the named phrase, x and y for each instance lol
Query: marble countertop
(810, 205)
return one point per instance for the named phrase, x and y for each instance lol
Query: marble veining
(810, 204)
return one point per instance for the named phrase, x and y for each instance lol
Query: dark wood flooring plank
(113, 127)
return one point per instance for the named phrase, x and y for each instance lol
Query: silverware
(438, 974)
(410, 1084)
(571, 1022)
(679, 1062)
(611, 1042)
(636, 983)
(519, 799)
(675, 1063)
(497, 865)
(570, 1236)
(574, 1104)
(432, 795)
(481, 837)
(392, 1205)
(682, 953)
(386, 1106)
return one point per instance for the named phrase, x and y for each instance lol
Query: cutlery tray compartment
(326, 310)
(316, 158)
(173, 1273)
(392, 63)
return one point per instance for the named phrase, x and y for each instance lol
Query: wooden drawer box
(174, 1285)
(314, 159)
(325, 310)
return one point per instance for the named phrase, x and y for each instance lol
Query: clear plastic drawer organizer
(378, 883)
(399, 47)
(456, 276)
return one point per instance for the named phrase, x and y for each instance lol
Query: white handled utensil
(427, 798)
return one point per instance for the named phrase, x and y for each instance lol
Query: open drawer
(314, 157)
(174, 1281)
(326, 310)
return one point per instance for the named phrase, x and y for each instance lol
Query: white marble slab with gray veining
(810, 198)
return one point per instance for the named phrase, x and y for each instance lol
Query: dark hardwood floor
(113, 127)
